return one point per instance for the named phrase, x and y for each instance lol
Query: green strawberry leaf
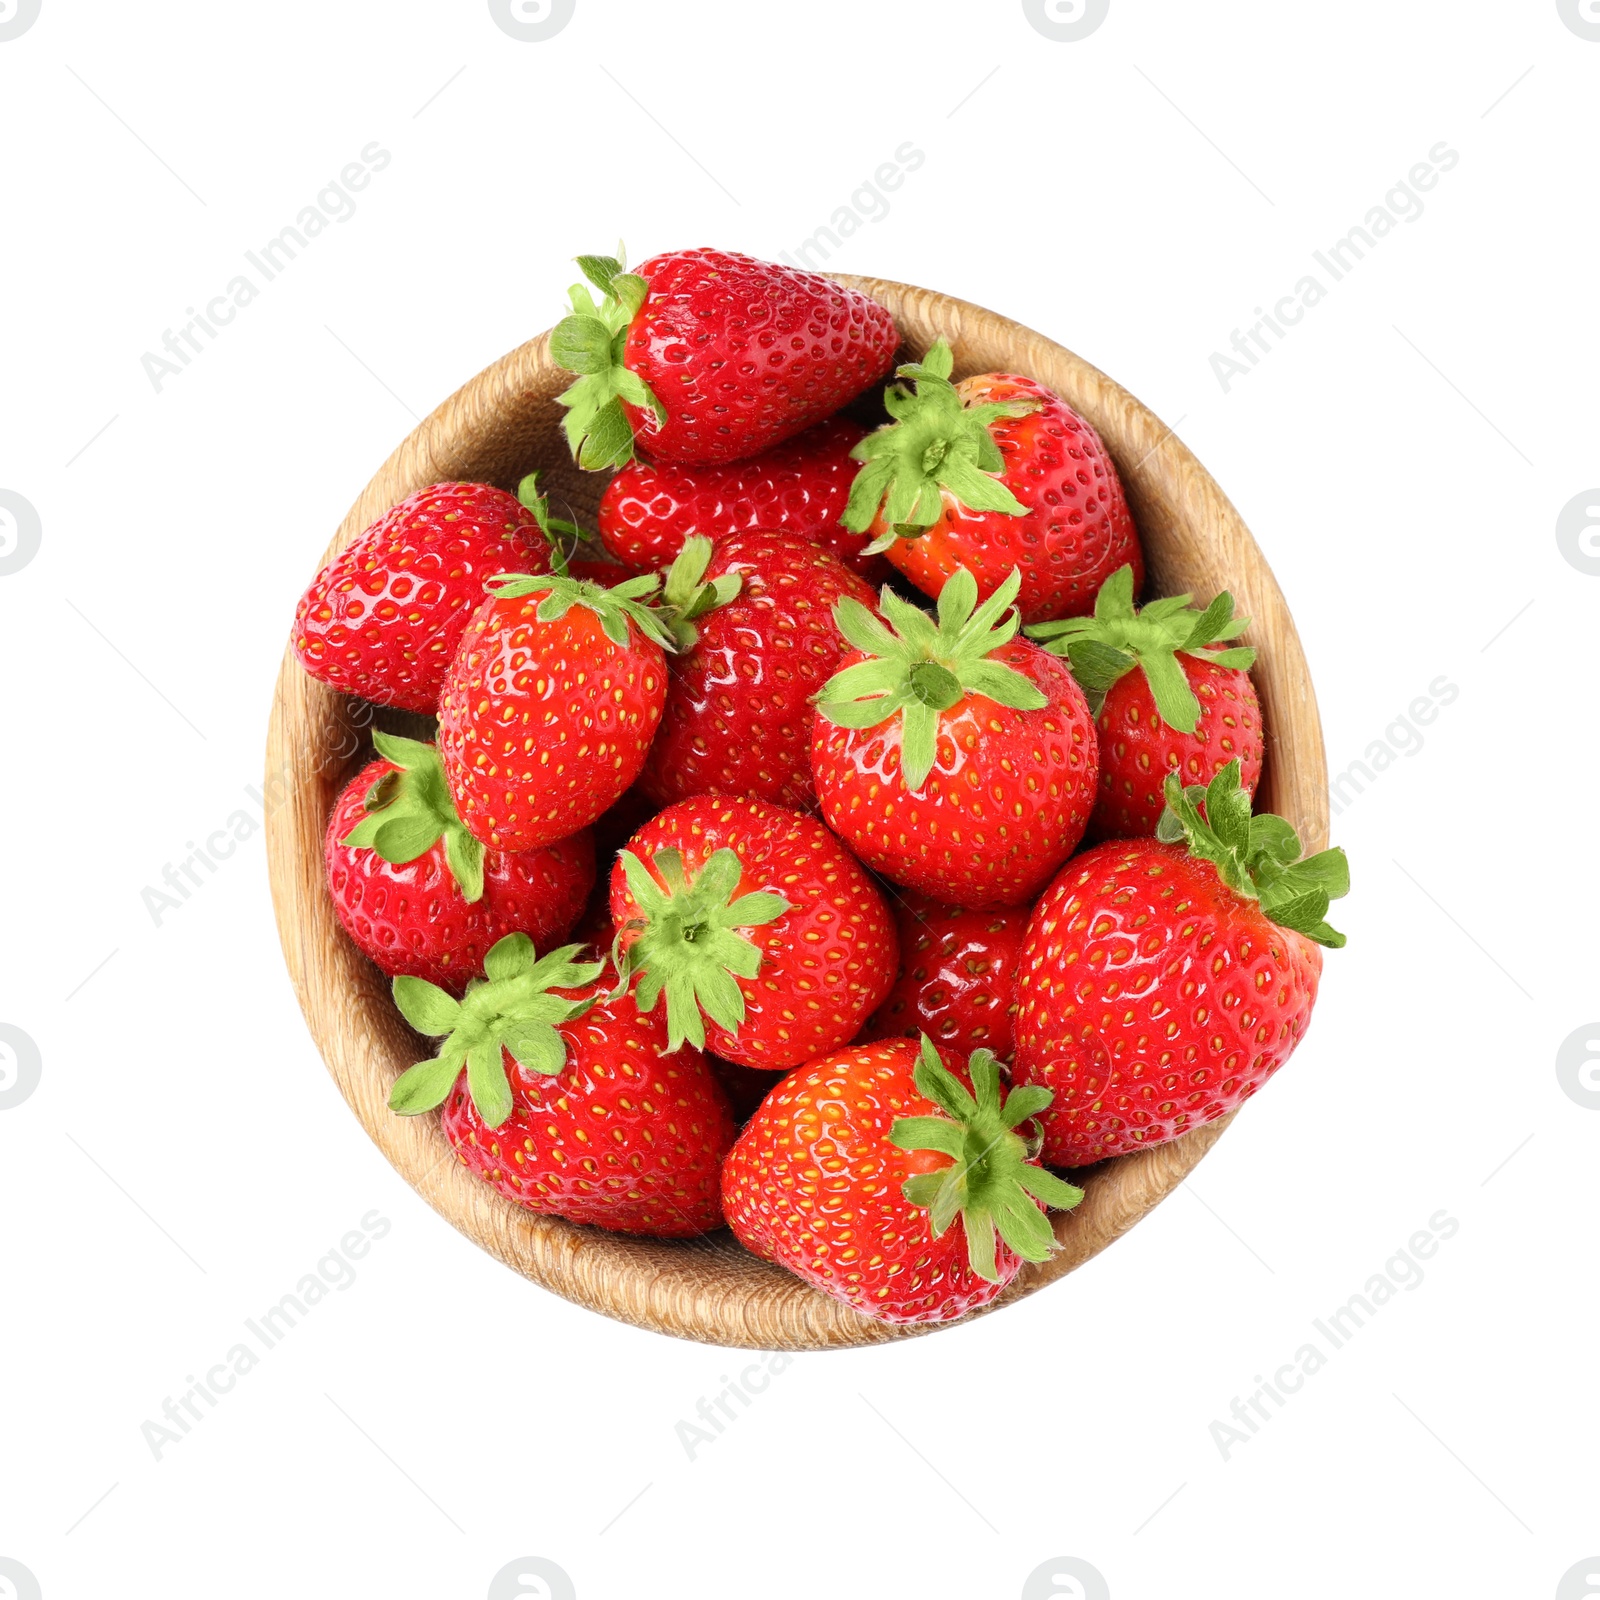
(921, 667)
(409, 810)
(591, 343)
(509, 1009)
(1118, 638)
(936, 445)
(991, 1183)
(686, 595)
(561, 536)
(619, 608)
(1258, 858)
(689, 946)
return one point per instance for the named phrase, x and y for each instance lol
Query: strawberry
(854, 1168)
(993, 473)
(757, 641)
(954, 758)
(1164, 981)
(958, 977)
(1188, 709)
(770, 942)
(383, 618)
(565, 1099)
(418, 894)
(707, 356)
(550, 705)
(650, 507)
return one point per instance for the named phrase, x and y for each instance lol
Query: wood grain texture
(506, 422)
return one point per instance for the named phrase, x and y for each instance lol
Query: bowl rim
(687, 1289)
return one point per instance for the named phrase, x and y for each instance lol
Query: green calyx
(615, 608)
(992, 1181)
(1118, 638)
(591, 342)
(920, 668)
(1257, 857)
(410, 810)
(563, 537)
(689, 944)
(935, 443)
(685, 595)
(509, 1008)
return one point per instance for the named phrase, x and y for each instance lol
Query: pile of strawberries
(845, 981)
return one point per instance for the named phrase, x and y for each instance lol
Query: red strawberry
(1188, 710)
(772, 944)
(958, 978)
(954, 758)
(761, 643)
(550, 706)
(383, 618)
(1163, 983)
(993, 473)
(651, 507)
(708, 356)
(566, 1100)
(418, 894)
(854, 1168)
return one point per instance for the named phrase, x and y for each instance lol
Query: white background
(1402, 457)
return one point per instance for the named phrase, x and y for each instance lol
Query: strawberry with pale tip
(854, 1170)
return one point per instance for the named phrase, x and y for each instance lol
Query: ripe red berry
(650, 508)
(565, 1099)
(958, 978)
(550, 706)
(953, 757)
(770, 942)
(723, 356)
(855, 1167)
(1163, 983)
(418, 894)
(993, 473)
(1189, 709)
(738, 713)
(383, 618)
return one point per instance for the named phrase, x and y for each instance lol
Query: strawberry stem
(409, 810)
(991, 1182)
(592, 343)
(509, 1008)
(920, 668)
(556, 530)
(615, 607)
(690, 942)
(1257, 857)
(935, 445)
(685, 595)
(1118, 638)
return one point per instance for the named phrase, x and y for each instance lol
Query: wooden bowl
(504, 423)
